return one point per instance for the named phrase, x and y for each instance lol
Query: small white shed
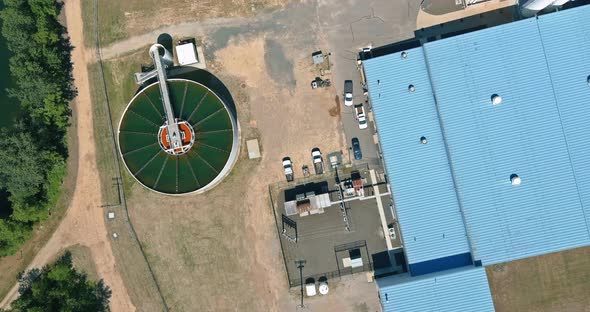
(187, 54)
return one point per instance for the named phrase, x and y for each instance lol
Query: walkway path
(381, 211)
(84, 222)
(199, 28)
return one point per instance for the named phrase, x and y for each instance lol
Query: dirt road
(200, 28)
(84, 221)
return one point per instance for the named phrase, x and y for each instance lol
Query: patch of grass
(187, 258)
(121, 87)
(83, 262)
(89, 17)
(110, 16)
(130, 261)
(553, 282)
(121, 19)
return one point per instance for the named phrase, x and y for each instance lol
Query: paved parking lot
(346, 28)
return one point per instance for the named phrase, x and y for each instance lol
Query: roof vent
(404, 54)
(496, 99)
(411, 88)
(515, 179)
(423, 140)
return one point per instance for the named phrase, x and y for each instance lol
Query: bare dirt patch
(291, 121)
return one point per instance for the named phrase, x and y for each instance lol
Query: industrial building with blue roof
(486, 142)
(438, 291)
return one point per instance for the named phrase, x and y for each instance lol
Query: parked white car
(288, 168)
(361, 116)
(348, 92)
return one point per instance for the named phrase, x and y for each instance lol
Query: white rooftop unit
(187, 54)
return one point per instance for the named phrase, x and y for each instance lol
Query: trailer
(318, 161)
(288, 169)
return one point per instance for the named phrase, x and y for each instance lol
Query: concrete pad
(253, 149)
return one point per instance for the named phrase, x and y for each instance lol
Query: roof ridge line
(567, 145)
(447, 152)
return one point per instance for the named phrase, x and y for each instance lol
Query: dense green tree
(21, 164)
(18, 25)
(60, 287)
(41, 66)
(33, 154)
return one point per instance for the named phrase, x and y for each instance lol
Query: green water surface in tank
(154, 168)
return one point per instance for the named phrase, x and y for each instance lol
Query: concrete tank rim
(230, 163)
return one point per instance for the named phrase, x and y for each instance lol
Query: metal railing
(349, 246)
(333, 275)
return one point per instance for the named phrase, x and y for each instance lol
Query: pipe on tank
(531, 7)
(165, 55)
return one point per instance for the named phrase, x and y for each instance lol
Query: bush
(12, 236)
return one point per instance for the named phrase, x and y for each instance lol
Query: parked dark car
(356, 148)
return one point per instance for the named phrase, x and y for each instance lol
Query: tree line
(33, 153)
(60, 287)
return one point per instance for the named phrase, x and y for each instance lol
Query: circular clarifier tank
(209, 138)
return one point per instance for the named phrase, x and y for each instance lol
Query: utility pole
(300, 264)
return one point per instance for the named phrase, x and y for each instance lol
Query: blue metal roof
(540, 132)
(523, 135)
(464, 289)
(570, 74)
(420, 176)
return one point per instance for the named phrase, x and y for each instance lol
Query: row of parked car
(316, 158)
(316, 154)
(318, 161)
(360, 115)
(359, 109)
